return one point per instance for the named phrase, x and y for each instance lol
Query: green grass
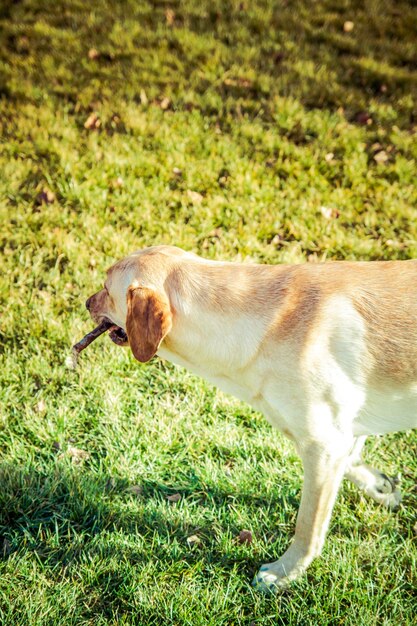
(219, 119)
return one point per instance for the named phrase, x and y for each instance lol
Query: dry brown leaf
(175, 497)
(77, 455)
(381, 157)
(23, 44)
(245, 536)
(193, 540)
(92, 122)
(41, 406)
(194, 196)
(277, 239)
(216, 232)
(136, 490)
(364, 118)
(118, 182)
(329, 212)
(396, 245)
(170, 17)
(93, 54)
(165, 103)
(238, 82)
(46, 196)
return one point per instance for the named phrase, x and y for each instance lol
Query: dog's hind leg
(374, 483)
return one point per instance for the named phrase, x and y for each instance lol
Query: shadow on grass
(69, 513)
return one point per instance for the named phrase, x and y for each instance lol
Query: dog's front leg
(324, 466)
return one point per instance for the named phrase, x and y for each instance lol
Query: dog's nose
(88, 303)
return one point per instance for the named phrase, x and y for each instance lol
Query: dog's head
(134, 299)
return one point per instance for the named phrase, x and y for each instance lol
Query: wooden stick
(72, 360)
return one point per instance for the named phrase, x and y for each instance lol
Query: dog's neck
(221, 312)
(223, 288)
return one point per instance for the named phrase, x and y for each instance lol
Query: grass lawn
(264, 131)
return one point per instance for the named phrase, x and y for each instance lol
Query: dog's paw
(386, 491)
(267, 581)
(273, 577)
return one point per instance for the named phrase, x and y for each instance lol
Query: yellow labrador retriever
(327, 351)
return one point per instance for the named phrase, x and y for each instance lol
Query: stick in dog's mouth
(117, 335)
(92, 336)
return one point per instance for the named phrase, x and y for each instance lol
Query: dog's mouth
(116, 333)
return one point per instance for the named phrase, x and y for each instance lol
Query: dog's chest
(227, 382)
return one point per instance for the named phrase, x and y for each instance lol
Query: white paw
(386, 491)
(272, 577)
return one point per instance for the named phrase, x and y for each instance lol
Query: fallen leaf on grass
(118, 182)
(23, 44)
(136, 490)
(116, 121)
(93, 54)
(92, 122)
(237, 82)
(364, 118)
(194, 196)
(216, 232)
(165, 103)
(143, 97)
(41, 406)
(381, 157)
(170, 17)
(277, 240)
(396, 245)
(329, 212)
(193, 540)
(76, 455)
(46, 196)
(223, 177)
(245, 536)
(175, 497)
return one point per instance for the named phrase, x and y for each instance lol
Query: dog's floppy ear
(148, 320)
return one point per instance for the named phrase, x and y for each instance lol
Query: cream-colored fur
(328, 352)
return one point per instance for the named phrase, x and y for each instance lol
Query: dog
(326, 351)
